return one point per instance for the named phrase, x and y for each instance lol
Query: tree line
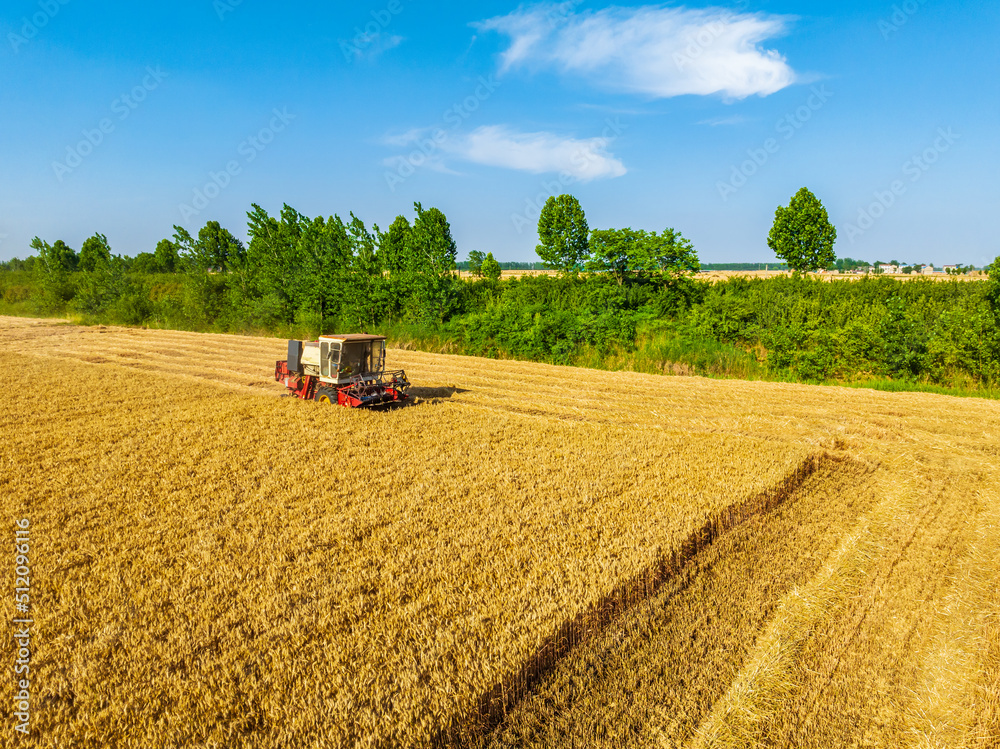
(623, 298)
(312, 272)
(319, 273)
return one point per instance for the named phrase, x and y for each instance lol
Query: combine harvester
(348, 370)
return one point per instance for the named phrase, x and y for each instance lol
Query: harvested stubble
(863, 612)
(652, 678)
(221, 567)
(218, 568)
(888, 639)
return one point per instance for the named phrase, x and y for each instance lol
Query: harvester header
(348, 370)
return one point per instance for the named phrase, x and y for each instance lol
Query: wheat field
(528, 555)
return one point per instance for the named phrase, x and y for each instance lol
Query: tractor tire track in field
(502, 699)
(821, 676)
(654, 675)
(885, 623)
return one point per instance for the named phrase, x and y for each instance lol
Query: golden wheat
(308, 573)
(216, 566)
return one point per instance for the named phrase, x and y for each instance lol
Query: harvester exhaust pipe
(295, 357)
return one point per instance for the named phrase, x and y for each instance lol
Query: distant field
(722, 275)
(530, 555)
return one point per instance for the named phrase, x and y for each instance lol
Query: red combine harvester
(348, 370)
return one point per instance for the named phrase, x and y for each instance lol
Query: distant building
(927, 270)
(888, 268)
(950, 268)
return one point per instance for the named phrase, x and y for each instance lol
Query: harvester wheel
(326, 395)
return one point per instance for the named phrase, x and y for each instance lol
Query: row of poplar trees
(313, 272)
(318, 272)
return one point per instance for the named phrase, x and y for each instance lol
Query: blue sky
(128, 119)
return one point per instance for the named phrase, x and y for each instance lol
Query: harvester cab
(345, 369)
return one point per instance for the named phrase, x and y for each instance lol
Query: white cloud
(497, 145)
(736, 119)
(369, 46)
(404, 139)
(652, 50)
(418, 160)
(585, 159)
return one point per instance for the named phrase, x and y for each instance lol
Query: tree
(615, 251)
(144, 263)
(58, 256)
(394, 246)
(323, 271)
(667, 256)
(296, 268)
(638, 253)
(393, 253)
(802, 234)
(490, 267)
(214, 250)
(563, 235)
(434, 248)
(166, 256)
(205, 261)
(432, 251)
(217, 248)
(367, 288)
(272, 264)
(476, 262)
(53, 264)
(16, 264)
(103, 285)
(993, 289)
(93, 251)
